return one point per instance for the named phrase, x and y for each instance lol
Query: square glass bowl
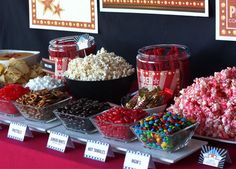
(75, 122)
(44, 114)
(120, 132)
(8, 108)
(161, 141)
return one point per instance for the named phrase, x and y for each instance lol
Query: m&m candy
(158, 131)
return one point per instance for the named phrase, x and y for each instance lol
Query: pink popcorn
(212, 102)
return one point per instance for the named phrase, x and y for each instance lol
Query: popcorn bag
(165, 65)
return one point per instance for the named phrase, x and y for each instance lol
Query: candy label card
(226, 20)
(58, 141)
(137, 160)
(97, 150)
(48, 66)
(214, 157)
(18, 131)
(66, 15)
(166, 7)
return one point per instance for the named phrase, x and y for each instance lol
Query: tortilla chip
(21, 65)
(12, 75)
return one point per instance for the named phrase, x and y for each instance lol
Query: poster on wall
(165, 7)
(226, 20)
(66, 15)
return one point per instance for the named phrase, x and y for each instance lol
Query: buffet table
(32, 153)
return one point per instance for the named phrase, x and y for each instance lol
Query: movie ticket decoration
(18, 131)
(97, 150)
(226, 20)
(66, 15)
(138, 160)
(59, 141)
(165, 7)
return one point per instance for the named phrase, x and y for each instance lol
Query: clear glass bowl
(44, 114)
(120, 132)
(160, 141)
(75, 122)
(8, 108)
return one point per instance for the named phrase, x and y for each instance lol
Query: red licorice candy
(10, 93)
(115, 122)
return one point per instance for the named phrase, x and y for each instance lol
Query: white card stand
(58, 141)
(97, 150)
(213, 156)
(18, 131)
(138, 160)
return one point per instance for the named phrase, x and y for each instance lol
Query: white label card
(97, 150)
(138, 160)
(18, 131)
(214, 156)
(58, 141)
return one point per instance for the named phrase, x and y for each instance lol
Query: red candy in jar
(164, 65)
(115, 123)
(63, 50)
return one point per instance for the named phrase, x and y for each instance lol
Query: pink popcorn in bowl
(212, 102)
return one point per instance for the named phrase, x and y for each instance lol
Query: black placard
(48, 66)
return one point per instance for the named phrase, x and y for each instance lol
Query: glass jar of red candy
(64, 49)
(164, 65)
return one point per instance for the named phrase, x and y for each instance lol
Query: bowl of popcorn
(104, 76)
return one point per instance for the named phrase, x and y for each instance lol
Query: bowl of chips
(30, 57)
(18, 71)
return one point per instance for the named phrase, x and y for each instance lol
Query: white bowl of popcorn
(104, 76)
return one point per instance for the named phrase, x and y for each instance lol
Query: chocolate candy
(115, 123)
(145, 99)
(164, 131)
(75, 115)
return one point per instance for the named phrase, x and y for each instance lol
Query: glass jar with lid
(64, 49)
(164, 65)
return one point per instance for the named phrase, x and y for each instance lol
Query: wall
(125, 33)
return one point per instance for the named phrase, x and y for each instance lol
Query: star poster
(226, 20)
(66, 15)
(165, 7)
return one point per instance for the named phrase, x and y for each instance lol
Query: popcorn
(212, 102)
(102, 66)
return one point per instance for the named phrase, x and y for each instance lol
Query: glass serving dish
(75, 122)
(161, 141)
(44, 114)
(8, 108)
(120, 132)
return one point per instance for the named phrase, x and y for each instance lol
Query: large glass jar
(64, 49)
(164, 65)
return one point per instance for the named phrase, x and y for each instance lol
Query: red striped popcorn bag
(164, 65)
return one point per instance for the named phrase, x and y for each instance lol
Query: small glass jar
(164, 65)
(63, 50)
